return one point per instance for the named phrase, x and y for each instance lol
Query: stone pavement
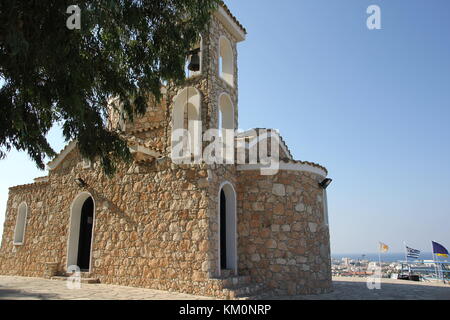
(346, 288)
(21, 288)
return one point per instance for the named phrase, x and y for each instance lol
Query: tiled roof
(41, 179)
(69, 147)
(289, 154)
(316, 165)
(61, 155)
(284, 146)
(29, 185)
(227, 10)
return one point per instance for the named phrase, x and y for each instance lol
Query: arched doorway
(227, 230)
(81, 231)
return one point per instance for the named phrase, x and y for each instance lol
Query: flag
(383, 247)
(412, 253)
(439, 250)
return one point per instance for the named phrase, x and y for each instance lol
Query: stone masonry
(156, 224)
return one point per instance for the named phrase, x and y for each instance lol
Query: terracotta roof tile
(29, 185)
(308, 163)
(227, 10)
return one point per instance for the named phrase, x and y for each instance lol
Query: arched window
(226, 61)
(186, 124)
(21, 221)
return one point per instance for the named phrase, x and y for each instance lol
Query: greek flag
(412, 253)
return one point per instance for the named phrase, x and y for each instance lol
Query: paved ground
(356, 289)
(20, 288)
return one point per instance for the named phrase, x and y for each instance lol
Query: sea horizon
(385, 257)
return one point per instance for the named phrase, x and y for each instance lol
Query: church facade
(223, 230)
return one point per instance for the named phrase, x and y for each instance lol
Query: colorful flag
(439, 250)
(383, 247)
(412, 253)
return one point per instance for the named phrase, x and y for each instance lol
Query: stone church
(222, 230)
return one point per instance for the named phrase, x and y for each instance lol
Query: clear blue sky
(371, 106)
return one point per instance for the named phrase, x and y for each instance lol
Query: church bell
(194, 62)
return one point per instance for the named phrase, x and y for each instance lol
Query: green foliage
(50, 74)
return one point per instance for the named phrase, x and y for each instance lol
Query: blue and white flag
(412, 253)
(439, 250)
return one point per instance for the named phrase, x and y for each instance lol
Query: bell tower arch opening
(226, 61)
(226, 113)
(194, 61)
(187, 124)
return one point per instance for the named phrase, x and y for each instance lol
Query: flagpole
(438, 266)
(435, 265)
(379, 254)
(441, 270)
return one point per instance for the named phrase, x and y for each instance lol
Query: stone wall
(216, 85)
(283, 239)
(151, 224)
(156, 226)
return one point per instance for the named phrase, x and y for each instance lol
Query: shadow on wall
(112, 208)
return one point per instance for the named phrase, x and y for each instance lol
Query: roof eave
(60, 157)
(230, 24)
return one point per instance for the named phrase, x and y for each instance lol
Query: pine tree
(52, 74)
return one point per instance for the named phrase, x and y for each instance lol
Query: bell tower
(209, 98)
